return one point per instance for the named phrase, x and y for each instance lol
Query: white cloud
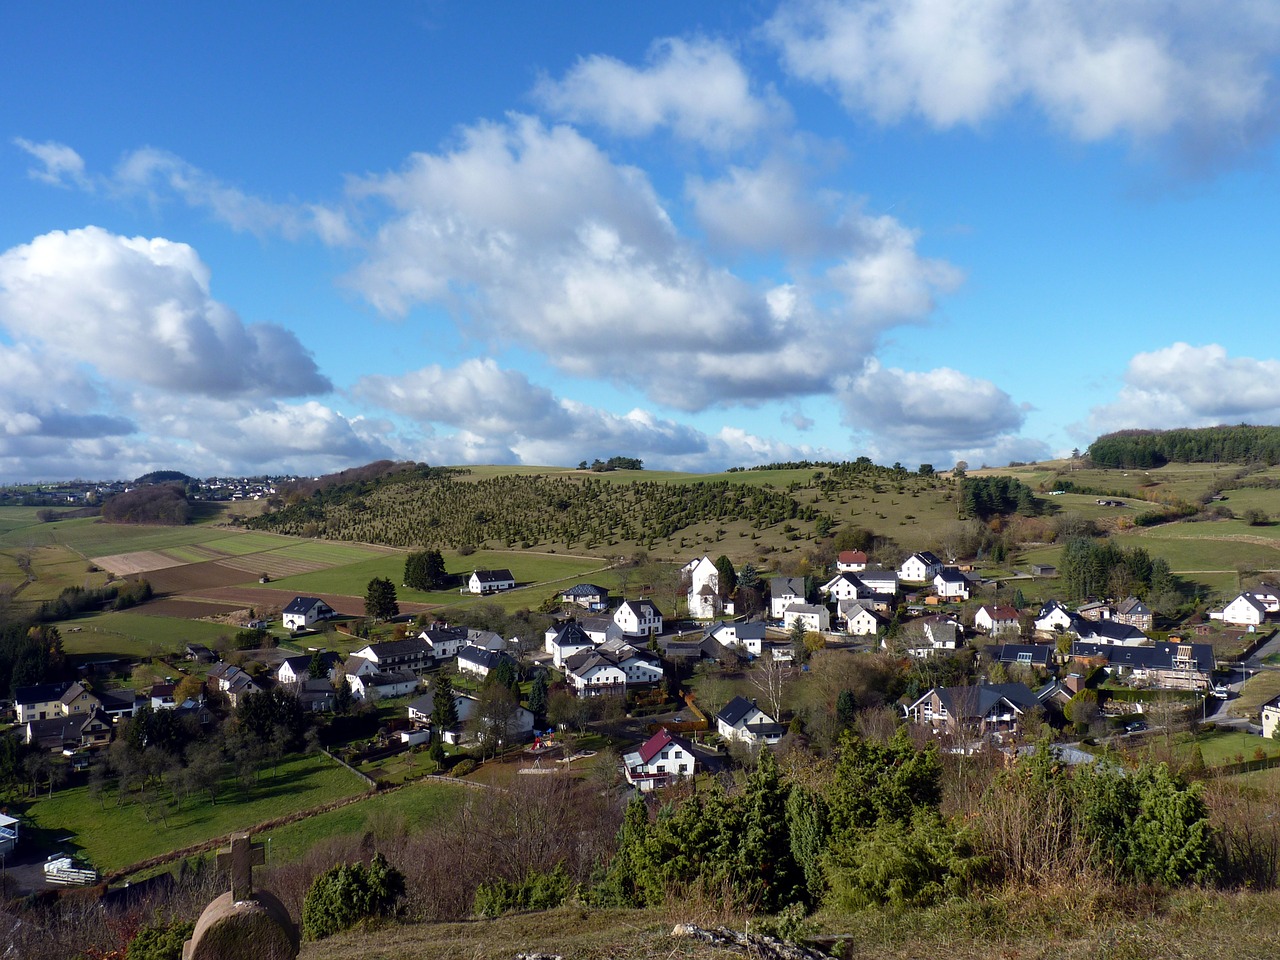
(60, 166)
(535, 237)
(140, 310)
(1096, 68)
(1188, 386)
(697, 88)
(158, 174)
(935, 416)
(500, 417)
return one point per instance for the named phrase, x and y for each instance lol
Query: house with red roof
(660, 760)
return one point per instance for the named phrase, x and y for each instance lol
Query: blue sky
(296, 237)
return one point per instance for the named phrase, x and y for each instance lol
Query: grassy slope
(113, 837)
(1070, 924)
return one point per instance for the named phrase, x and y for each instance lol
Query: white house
(1270, 717)
(294, 670)
(743, 720)
(480, 662)
(844, 586)
(1245, 610)
(601, 629)
(919, 567)
(1054, 618)
(704, 587)
(659, 760)
(851, 561)
(1268, 595)
(379, 686)
(491, 581)
(41, 701)
(444, 642)
(951, 584)
(783, 592)
(882, 583)
(302, 612)
(815, 618)
(420, 710)
(389, 656)
(997, 620)
(593, 672)
(859, 620)
(638, 618)
(747, 637)
(563, 640)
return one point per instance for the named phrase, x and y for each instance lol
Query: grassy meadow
(115, 836)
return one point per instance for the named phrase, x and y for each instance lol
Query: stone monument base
(258, 928)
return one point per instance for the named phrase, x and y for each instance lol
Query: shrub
(161, 942)
(344, 895)
(537, 891)
(463, 767)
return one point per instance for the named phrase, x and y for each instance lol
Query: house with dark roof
(491, 581)
(421, 708)
(1054, 617)
(589, 596)
(297, 669)
(1245, 610)
(747, 637)
(611, 669)
(444, 642)
(638, 618)
(302, 612)
(1110, 631)
(658, 761)
(1134, 613)
(565, 639)
(1168, 666)
(950, 584)
(70, 732)
(40, 701)
(411, 654)
(741, 719)
(231, 680)
(1024, 654)
(859, 619)
(783, 592)
(973, 711)
(920, 567)
(481, 662)
(844, 586)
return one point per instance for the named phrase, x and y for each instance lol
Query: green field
(113, 837)
(405, 811)
(132, 634)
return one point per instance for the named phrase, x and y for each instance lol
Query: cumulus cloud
(140, 310)
(936, 415)
(1097, 69)
(1188, 386)
(696, 88)
(501, 417)
(159, 175)
(536, 237)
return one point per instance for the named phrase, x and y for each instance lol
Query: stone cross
(240, 859)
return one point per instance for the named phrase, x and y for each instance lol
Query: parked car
(1136, 726)
(1221, 692)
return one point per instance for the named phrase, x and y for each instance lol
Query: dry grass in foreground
(1022, 924)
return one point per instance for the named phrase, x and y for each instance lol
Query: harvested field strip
(332, 554)
(240, 544)
(272, 564)
(187, 577)
(195, 553)
(141, 561)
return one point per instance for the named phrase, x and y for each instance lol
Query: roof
(1160, 656)
(1252, 600)
(752, 630)
(929, 559)
(69, 695)
(585, 590)
(851, 556)
(328, 659)
(951, 575)
(301, 604)
(1040, 654)
(641, 608)
(974, 702)
(779, 586)
(1110, 630)
(399, 648)
(1133, 607)
(571, 634)
(41, 692)
(481, 657)
(738, 708)
(493, 576)
(999, 611)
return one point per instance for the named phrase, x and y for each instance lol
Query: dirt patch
(190, 609)
(193, 577)
(140, 561)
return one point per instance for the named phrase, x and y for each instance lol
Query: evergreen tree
(380, 599)
(537, 702)
(846, 709)
(444, 709)
(727, 576)
(808, 831)
(768, 875)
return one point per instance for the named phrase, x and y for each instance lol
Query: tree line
(1145, 449)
